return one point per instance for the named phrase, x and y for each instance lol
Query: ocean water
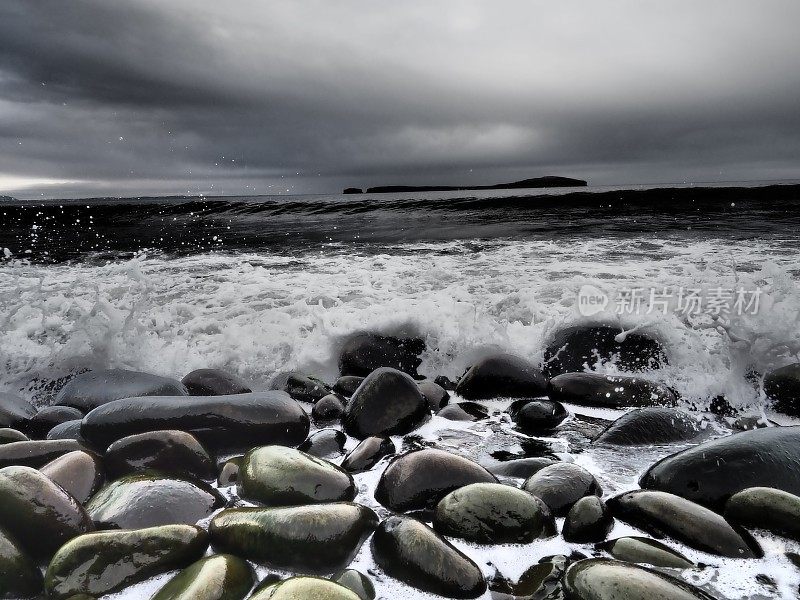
(259, 285)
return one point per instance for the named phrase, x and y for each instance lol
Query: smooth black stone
(362, 353)
(643, 550)
(766, 508)
(19, 575)
(50, 416)
(368, 453)
(89, 390)
(419, 479)
(356, 582)
(279, 476)
(71, 430)
(325, 443)
(464, 411)
(328, 408)
(105, 562)
(15, 411)
(346, 385)
(574, 348)
(502, 376)
(79, 473)
(608, 391)
(493, 513)
(215, 577)
(220, 423)
(35, 453)
(782, 386)
(317, 539)
(587, 521)
(229, 472)
(662, 514)
(561, 485)
(537, 416)
(713, 471)
(174, 452)
(300, 386)
(388, 402)
(214, 382)
(652, 425)
(436, 395)
(415, 554)
(603, 579)
(8, 435)
(150, 499)
(521, 468)
(43, 526)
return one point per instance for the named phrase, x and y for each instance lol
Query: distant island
(7, 199)
(536, 182)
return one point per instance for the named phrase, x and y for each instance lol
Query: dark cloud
(156, 97)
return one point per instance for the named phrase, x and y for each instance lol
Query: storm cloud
(199, 96)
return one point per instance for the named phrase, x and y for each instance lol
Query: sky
(147, 97)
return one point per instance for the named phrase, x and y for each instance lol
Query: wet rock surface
(8, 435)
(79, 473)
(301, 387)
(646, 551)
(356, 582)
(464, 411)
(368, 453)
(95, 388)
(328, 408)
(782, 386)
(765, 508)
(325, 443)
(587, 521)
(415, 554)
(652, 425)
(502, 376)
(15, 411)
(213, 382)
(35, 453)
(217, 577)
(387, 402)
(537, 416)
(151, 499)
(561, 485)
(306, 588)
(436, 395)
(346, 385)
(175, 452)
(608, 391)
(19, 575)
(316, 539)
(48, 417)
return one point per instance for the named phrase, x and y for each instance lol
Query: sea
(258, 285)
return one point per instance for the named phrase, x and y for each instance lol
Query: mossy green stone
(19, 575)
(766, 508)
(315, 539)
(643, 550)
(105, 562)
(493, 513)
(305, 588)
(280, 476)
(44, 525)
(217, 577)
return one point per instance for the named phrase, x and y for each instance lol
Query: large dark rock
(603, 579)
(587, 521)
(652, 425)
(436, 395)
(713, 471)
(79, 473)
(663, 514)
(71, 430)
(502, 376)
(415, 554)
(575, 348)
(50, 416)
(300, 386)
(325, 443)
(44, 525)
(328, 408)
(419, 479)
(368, 453)
(175, 452)
(537, 416)
(561, 485)
(216, 577)
(492, 513)
(317, 539)
(223, 423)
(643, 550)
(149, 499)
(608, 391)
(766, 508)
(387, 402)
(19, 575)
(782, 386)
(105, 562)
(362, 353)
(15, 411)
(35, 453)
(95, 388)
(213, 382)
(279, 476)
(302, 588)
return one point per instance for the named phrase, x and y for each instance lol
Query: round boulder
(50, 416)
(89, 390)
(35, 453)
(214, 382)
(643, 550)
(652, 425)
(305, 588)
(216, 577)
(15, 411)
(325, 443)
(766, 508)
(502, 376)
(561, 485)
(175, 452)
(537, 416)
(300, 386)
(328, 408)
(368, 453)
(19, 575)
(587, 521)
(464, 411)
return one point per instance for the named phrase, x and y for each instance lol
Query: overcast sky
(153, 97)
